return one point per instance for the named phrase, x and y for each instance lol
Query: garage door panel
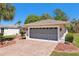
(53, 31)
(52, 37)
(44, 33)
(39, 36)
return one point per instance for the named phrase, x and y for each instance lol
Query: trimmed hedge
(7, 38)
(69, 38)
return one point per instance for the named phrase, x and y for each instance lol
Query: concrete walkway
(28, 48)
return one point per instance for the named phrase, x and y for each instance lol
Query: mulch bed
(61, 47)
(7, 44)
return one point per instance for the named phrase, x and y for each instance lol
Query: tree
(60, 15)
(32, 18)
(46, 16)
(70, 27)
(7, 11)
(19, 22)
(75, 24)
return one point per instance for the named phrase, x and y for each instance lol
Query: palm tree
(7, 11)
(76, 26)
(18, 23)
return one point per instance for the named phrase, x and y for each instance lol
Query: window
(60, 29)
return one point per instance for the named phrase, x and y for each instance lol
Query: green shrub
(6, 38)
(22, 32)
(69, 38)
(9, 37)
(1, 37)
(1, 34)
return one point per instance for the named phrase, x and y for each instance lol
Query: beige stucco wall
(63, 30)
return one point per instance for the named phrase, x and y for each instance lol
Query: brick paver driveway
(28, 48)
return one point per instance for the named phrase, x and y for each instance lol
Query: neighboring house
(46, 30)
(10, 30)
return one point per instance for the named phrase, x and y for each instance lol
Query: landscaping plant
(69, 38)
(1, 39)
(9, 37)
(22, 32)
(6, 38)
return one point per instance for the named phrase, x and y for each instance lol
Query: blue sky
(25, 9)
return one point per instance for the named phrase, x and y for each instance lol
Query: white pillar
(58, 33)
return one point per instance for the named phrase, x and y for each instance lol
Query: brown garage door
(44, 33)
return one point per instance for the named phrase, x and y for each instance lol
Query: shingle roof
(47, 22)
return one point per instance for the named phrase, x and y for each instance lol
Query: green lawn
(76, 39)
(64, 54)
(76, 42)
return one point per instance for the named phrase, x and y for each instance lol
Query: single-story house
(46, 30)
(9, 30)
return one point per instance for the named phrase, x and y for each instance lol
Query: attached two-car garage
(46, 30)
(44, 33)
